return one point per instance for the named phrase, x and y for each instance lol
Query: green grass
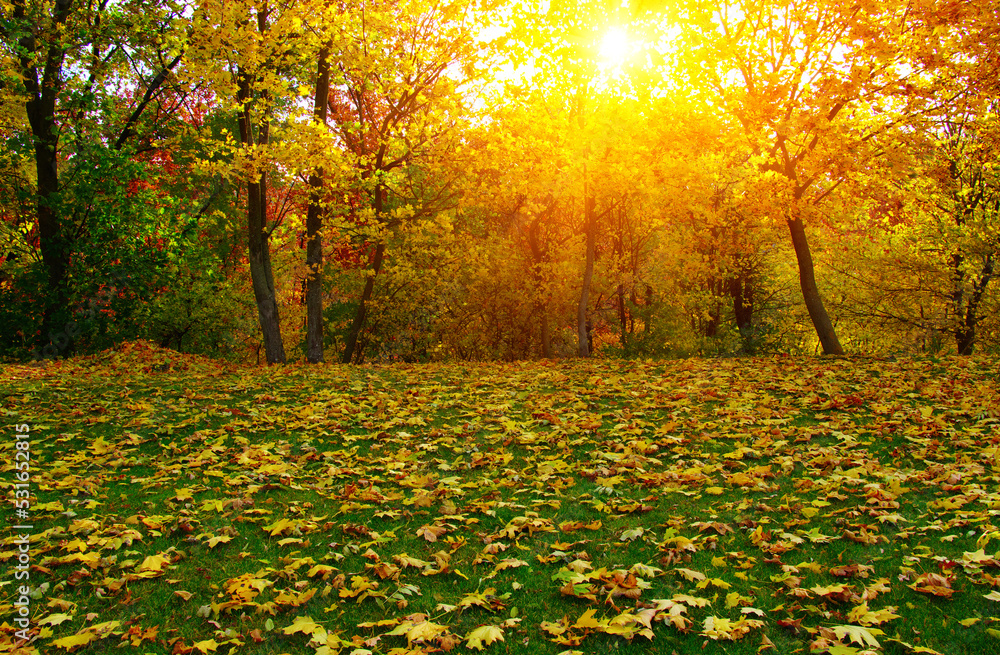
(523, 496)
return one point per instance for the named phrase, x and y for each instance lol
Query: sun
(615, 48)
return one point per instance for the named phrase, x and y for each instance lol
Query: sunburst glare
(615, 48)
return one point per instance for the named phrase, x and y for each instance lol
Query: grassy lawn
(180, 505)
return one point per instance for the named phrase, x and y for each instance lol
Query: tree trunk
(546, 333)
(967, 313)
(257, 235)
(622, 317)
(314, 226)
(41, 114)
(260, 271)
(351, 352)
(539, 258)
(810, 293)
(965, 336)
(709, 327)
(647, 314)
(362, 314)
(588, 275)
(741, 289)
(52, 241)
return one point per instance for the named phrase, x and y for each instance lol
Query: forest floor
(181, 505)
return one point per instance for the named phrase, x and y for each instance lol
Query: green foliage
(119, 241)
(199, 311)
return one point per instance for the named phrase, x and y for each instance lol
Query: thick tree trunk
(257, 235)
(361, 316)
(583, 334)
(52, 240)
(314, 227)
(41, 113)
(260, 271)
(810, 293)
(967, 313)
(965, 337)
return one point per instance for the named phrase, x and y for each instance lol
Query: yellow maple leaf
(101, 447)
(741, 480)
(55, 619)
(104, 629)
(424, 631)
(509, 563)
(288, 597)
(689, 574)
(432, 532)
(280, 527)
(60, 604)
(587, 620)
(716, 628)
(692, 601)
(221, 539)
(718, 582)
(484, 636)
(861, 614)
(87, 635)
(305, 625)
(72, 641)
(246, 587)
(861, 636)
(155, 564)
(320, 569)
(206, 646)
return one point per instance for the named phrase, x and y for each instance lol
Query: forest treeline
(380, 180)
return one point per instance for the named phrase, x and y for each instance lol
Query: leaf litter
(183, 505)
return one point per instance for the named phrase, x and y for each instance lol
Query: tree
(314, 222)
(926, 256)
(396, 109)
(249, 54)
(809, 85)
(86, 79)
(969, 180)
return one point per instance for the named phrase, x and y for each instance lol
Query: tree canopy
(401, 179)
